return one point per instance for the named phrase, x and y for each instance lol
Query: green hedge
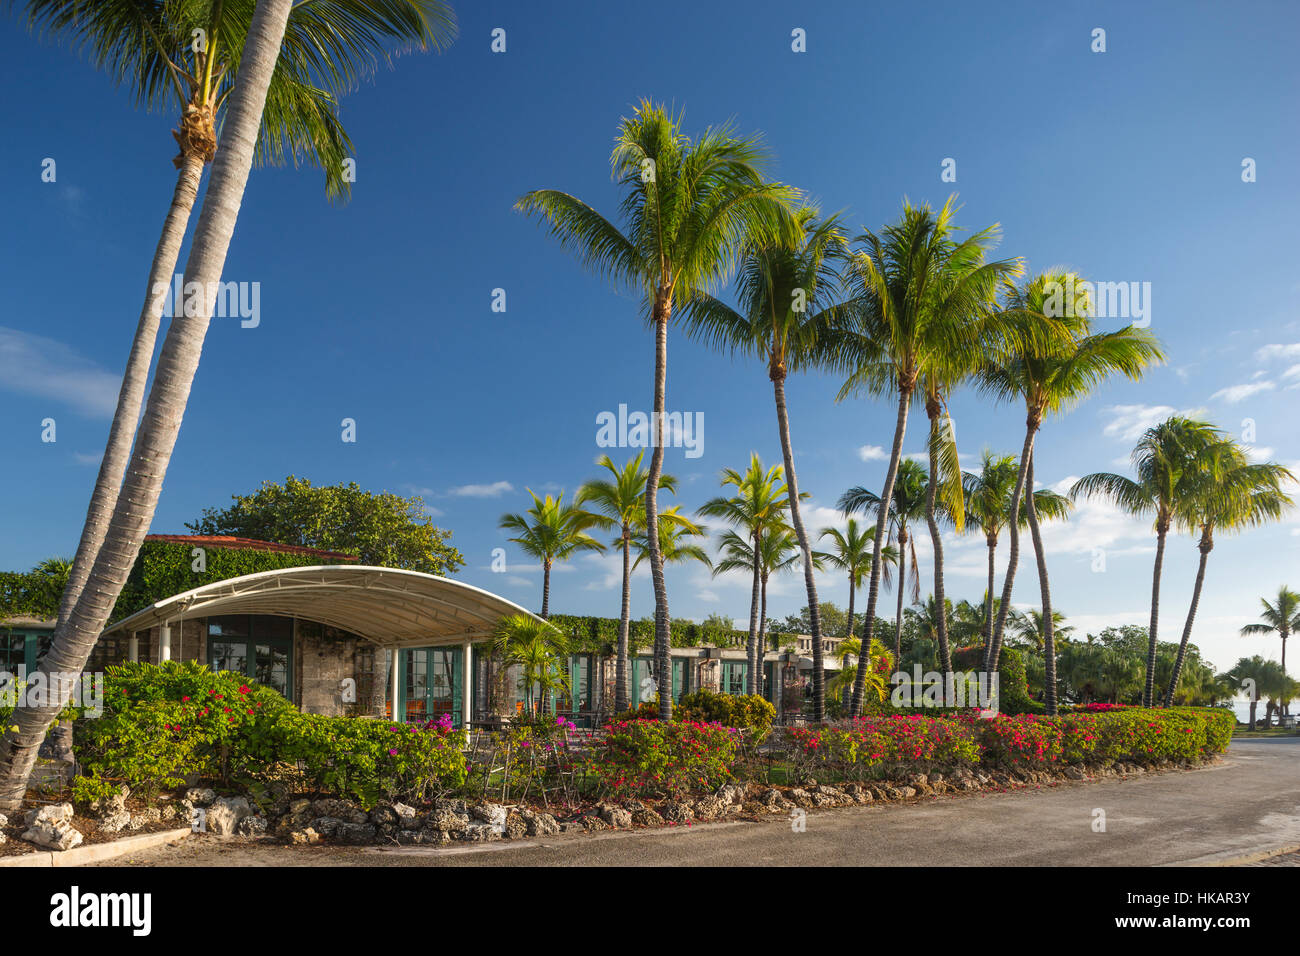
(599, 635)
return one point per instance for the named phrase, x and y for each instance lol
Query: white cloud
(1239, 393)
(1259, 453)
(1292, 372)
(494, 490)
(34, 365)
(873, 453)
(1269, 352)
(1128, 422)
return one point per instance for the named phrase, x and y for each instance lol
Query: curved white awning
(384, 605)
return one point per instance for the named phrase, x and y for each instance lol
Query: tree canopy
(381, 528)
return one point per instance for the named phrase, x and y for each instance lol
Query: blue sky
(1125, 165)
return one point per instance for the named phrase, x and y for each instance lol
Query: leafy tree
(381, 528)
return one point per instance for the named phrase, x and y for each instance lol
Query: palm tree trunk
(546, 589)
(1045, 590)
(1285, 632)
(131, 395)
(662, 312)
(1149, 689)
(988, 595)
(161, 423)
(1013, 553)
(844, 690)
(752, 646)
(873, 586)
(792, 487)
(1205, 547)
(936, 539)
(902, 585)
(621, 702)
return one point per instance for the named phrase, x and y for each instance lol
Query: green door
(429, 684)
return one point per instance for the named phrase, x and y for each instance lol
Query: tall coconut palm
(688, 206)
(1050, 377)
(156, 438)
(988, 505)
(620, 503)
(851, 551)
(552, 531)
(1281, 618)
(676, 539)
(1227, 493)
(759, 505)
(787, 310)
(1163, 454)
(916, 290)
(906, 508)
(150, 46)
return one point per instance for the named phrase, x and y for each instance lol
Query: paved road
(1242, 807)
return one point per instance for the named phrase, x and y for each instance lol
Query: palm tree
(538, 648)
(876, 683)
(1161, 457)
(156, 438)
(1282, 619)
(552, 531)
(620, 501)
(150, 47)
(1030, 628)
(1050, 377)
(906, 507)
(688, 206)
(1226, 493)
(851, 551)
(1258, 674)
(778, 550)
(786, 315)
(758, 506)
(916, 291)
(988, 504)
(675, 534)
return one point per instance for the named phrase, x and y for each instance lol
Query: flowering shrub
(884, 746)
(163, 723)
(663, 757)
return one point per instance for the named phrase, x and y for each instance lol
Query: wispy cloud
(1270, 352)
(1239, 393)
(494, 490)
(873, 453)
(34, 365)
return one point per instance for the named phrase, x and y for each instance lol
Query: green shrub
(893, 745)
(663, 757)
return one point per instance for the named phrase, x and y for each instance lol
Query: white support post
(466, 688)
(133, 648)
(392, 686)
(165, 643)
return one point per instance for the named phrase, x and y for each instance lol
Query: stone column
(164, 643)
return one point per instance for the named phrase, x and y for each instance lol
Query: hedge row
(888, 745)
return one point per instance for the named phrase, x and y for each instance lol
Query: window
(258, 646)
(733, 677)
(430, 682)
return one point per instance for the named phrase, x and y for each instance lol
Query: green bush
(663, 757)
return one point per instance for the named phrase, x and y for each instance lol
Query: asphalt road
(1244, 807)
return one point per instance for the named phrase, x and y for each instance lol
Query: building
(345, 638)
